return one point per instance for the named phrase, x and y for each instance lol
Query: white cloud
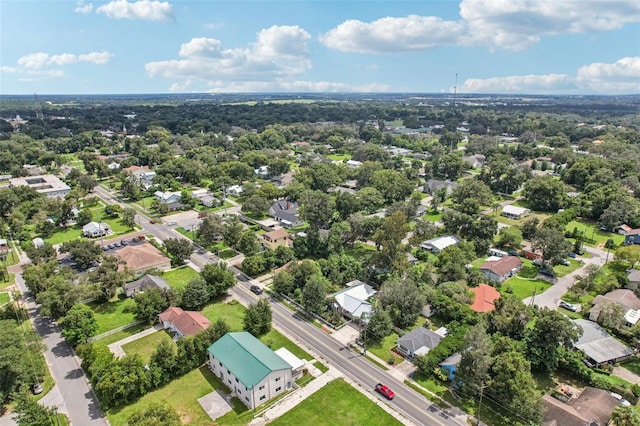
(40, 59)
(81, 7)
(391, 35)
(503, 24)
(279, 52)
(292, 86)
(620, 77)
(143, 9)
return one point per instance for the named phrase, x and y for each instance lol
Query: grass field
(10, 280)
(180, 277)
(111, 314)
(146, 345)
(595, 237)
(4, 298)
(360, 251)
(112, 338)
(231, 313)
(336, 403)
(432, 217)
(75, 232)
(523, 288)
(181, 394)
(339, 157)
(383, 350)
(275, 341)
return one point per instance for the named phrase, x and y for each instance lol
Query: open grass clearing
(594, 236)
(146, 345)
(232, 313)
(562, 270)
(360, 251)
(336, 403)
(383, 349)
(339, 157)
(181, 394)
(275, 340)
(632, 365)
(432, 217)
(112, 314)
(122, 334)
(523, 288)
(179, 278)
(4, 298)
(10, 280)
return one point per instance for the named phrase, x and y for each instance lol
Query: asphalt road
(408, 402)
(71, 394)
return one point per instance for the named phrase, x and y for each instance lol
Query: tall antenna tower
(38, 107)
(455, 91)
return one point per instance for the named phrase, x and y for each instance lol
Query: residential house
(96, 229)
(171, 198)
(450, 364)
(485, 298)
(436, 245)
(353, 301)
(593, 407)
(205, 198)
(49, 185)
(627, 299)
(144, 178)
(283, 180)
(262, 172)
(274, 239)
(633, 275)
(433, 185)
(183, 323)
(501, 269)
(38, 242)
(234, 190)
(4, 248)
(599, 346)
(353, 164)
(632, 237)
(622, 229)
(418, 342)
(143, 257)
(286, 212)
(143, 283)
(476, 161)
(514, 212)
(254, 373)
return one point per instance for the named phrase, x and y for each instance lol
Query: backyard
(179, 278)
(524, 287)
(336, 403)
(75, 232)
(114, 313)
(591, 231)
(146, 345)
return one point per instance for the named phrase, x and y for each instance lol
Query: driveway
(553, 295)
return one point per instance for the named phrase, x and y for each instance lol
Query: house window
(262, 397)
(278, 379)
(247, 398)
(246, 388)
(228, 372)
(229, 380)
(220, 363)
(237, 380)
(261, 387)
(279, 388)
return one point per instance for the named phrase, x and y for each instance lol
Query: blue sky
(223, 46)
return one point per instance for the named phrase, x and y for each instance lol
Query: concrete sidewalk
(116, 348)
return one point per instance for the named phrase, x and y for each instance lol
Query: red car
(385, 391)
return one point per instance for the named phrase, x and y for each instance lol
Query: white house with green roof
(253, 372)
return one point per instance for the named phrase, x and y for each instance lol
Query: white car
(568, 306)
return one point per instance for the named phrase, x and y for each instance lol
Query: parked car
(152, 222)
(110, 246)
(568, 306)
(117, 244)
(572, 255)
(172, 223)
(385, 391)
(105, 248)
(37, 389)
(513, 252)
(124, 242)
(548, 273)
(256, 289)
(565, 262)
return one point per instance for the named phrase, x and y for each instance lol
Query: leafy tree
(283, 283)
(510, 317)
(218, 278)
(391, 253)
(154, 414)
(59, 296)
(545, 193)
(196, 294)
(620, 211)
(162, 363)
(509, 237)
(210, 229)
(316, 208)
(403, 300)
(232, 231)
(392, 185)
(314, 294)
(551, 243)
(451, 263)
(180, 250)
(248, 243)
(472, 372)
(612, 315)
(256, 205)
(152, 302)
(625, 416)
(530, 227)
(550, 331)
(84, 252)
(257, 320)
(630, 253)
(41, 254)
(108, 277)
(125, 380)
(79, 324)
(84, 217)
(378, 327)
(30, 413)
(472, 189)
(129, 218)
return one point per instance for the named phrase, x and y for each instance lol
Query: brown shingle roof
(142, 256)
(502, 266)
(277, 234)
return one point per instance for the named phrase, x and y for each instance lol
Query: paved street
(71, 394)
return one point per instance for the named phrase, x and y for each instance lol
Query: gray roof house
(432, 186)
(418, 342)
(96, 229)
(438, 244)
(147, 281)
(623, 297)
(599, 346)
(286, 212)
(475, 161)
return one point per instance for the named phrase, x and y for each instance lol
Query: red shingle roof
(187, 323)
(485, 297)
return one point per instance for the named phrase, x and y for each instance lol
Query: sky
(234, 46)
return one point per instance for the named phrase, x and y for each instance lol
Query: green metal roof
(246, 357)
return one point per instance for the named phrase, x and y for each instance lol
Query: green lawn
(336, 403)
(119, 335)
(181, 394)
(339, 157)
(595, 237)
(4, 298)
(275, 341)
(75, 232)
(632, 365)
(146, 345)
(231, 313)
(432, 217)
(562, 270)
(523, 288)
(112, 314)
(383, 349)
(9, 282)
(180, 277)
(227, 253)
(360, 251)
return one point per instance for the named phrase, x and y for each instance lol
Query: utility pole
(480, 404)
(533, 298)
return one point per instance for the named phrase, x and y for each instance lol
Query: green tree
(403, 300)
(472, 372)
(472, 189)
(392, 185)
(630, 253)
(391, 253)
(84, 252)
(232, 231)
(550, 331)
(196, 294)
(150, 303)
(256, 205)
(154, 414)
(314, 294)
(79, 324)
(509, 237)
(108, 277)
(162, 363)
(625, 416)
(180, 250)
(210, 229)
(257, 320)
(218, 278)
(545, 193)
(316, 208)
(30, 413)
(510, 317)
(378, 327)
(551, 243)
(59, 296)
(129, 218)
